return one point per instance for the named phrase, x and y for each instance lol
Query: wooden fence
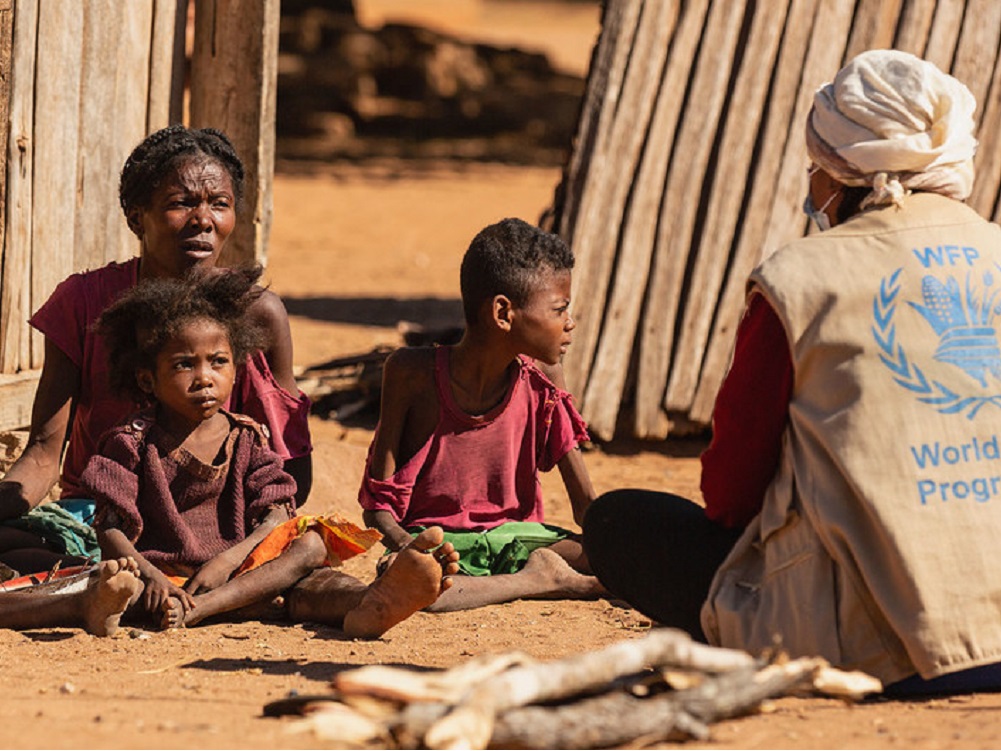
(689, 168)
(83, 81)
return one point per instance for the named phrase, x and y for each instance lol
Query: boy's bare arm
(407, 418)
(394, 537)
(572, 467)
(408, 410)
(577, 482)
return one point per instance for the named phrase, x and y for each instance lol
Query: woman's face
(188, 221)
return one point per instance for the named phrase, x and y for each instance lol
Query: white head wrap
(896, 123)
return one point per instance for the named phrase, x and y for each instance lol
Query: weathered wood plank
(604, 82)
(609, 173)
(15, 298)
(987, 161)
(679, 210)
(233, 85)
(737, 149)
(915, 26)
(113, 83)
(779, 126)
(6, 68)
(612, 357)
(57, 116)
(978, 48)
(602, 211)
(17, 393)
(874, 27)
(945, 33)
(166, 65)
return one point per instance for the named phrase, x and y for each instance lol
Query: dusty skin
(108, 595)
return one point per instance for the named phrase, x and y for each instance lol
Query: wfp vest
(878, 545)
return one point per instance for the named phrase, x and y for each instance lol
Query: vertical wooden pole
(167, 64)
(233, 82)
(113, 95)
(610, 369)
(678, 215)
(730, 188)
(11, 271)
(57, 117)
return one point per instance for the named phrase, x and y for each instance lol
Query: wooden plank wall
(81, 83)
(689, 169)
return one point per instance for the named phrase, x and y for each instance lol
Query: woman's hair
(507, 258)
(163, 151)
(140, 322)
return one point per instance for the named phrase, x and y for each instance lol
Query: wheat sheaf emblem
(962, 320)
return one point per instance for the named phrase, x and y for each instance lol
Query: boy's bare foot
(558, 579)
(108, 594)
(416, 577)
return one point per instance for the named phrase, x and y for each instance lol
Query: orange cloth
(343, 539)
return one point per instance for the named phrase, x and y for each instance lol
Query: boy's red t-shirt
(475, 473)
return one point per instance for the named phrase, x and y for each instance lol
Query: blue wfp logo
(962, 318)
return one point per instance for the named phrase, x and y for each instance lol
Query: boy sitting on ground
(465, 429)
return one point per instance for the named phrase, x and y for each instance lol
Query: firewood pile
(661, 687)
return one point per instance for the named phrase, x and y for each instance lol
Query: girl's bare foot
(108, 594)
(417, 576)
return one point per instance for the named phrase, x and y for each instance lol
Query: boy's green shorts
(501, 550)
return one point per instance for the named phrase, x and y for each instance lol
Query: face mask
(818, 216)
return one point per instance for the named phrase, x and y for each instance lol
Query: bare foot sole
(108, 594)
(563, 581)
(415, 579)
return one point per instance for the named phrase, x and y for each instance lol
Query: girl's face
(190, 217)
(544, 324)
(193, 376)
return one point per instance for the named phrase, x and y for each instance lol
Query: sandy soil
(352, 252)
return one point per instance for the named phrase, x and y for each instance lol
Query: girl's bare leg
(258, 585)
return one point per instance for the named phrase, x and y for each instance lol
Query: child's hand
(214, 573)
(159, 589)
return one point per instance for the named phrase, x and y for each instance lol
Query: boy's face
(543, 324)
(194, 374)
(190, 217)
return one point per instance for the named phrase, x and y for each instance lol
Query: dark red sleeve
(749, 419)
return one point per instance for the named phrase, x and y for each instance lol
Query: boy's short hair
(506, 258)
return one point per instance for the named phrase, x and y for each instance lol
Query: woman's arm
(749, 419)
(37, 469)
(269, 313)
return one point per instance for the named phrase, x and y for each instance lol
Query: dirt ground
(354, 250)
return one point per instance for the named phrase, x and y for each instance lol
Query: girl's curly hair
(138, 324)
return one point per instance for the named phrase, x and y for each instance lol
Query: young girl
(190, 491)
